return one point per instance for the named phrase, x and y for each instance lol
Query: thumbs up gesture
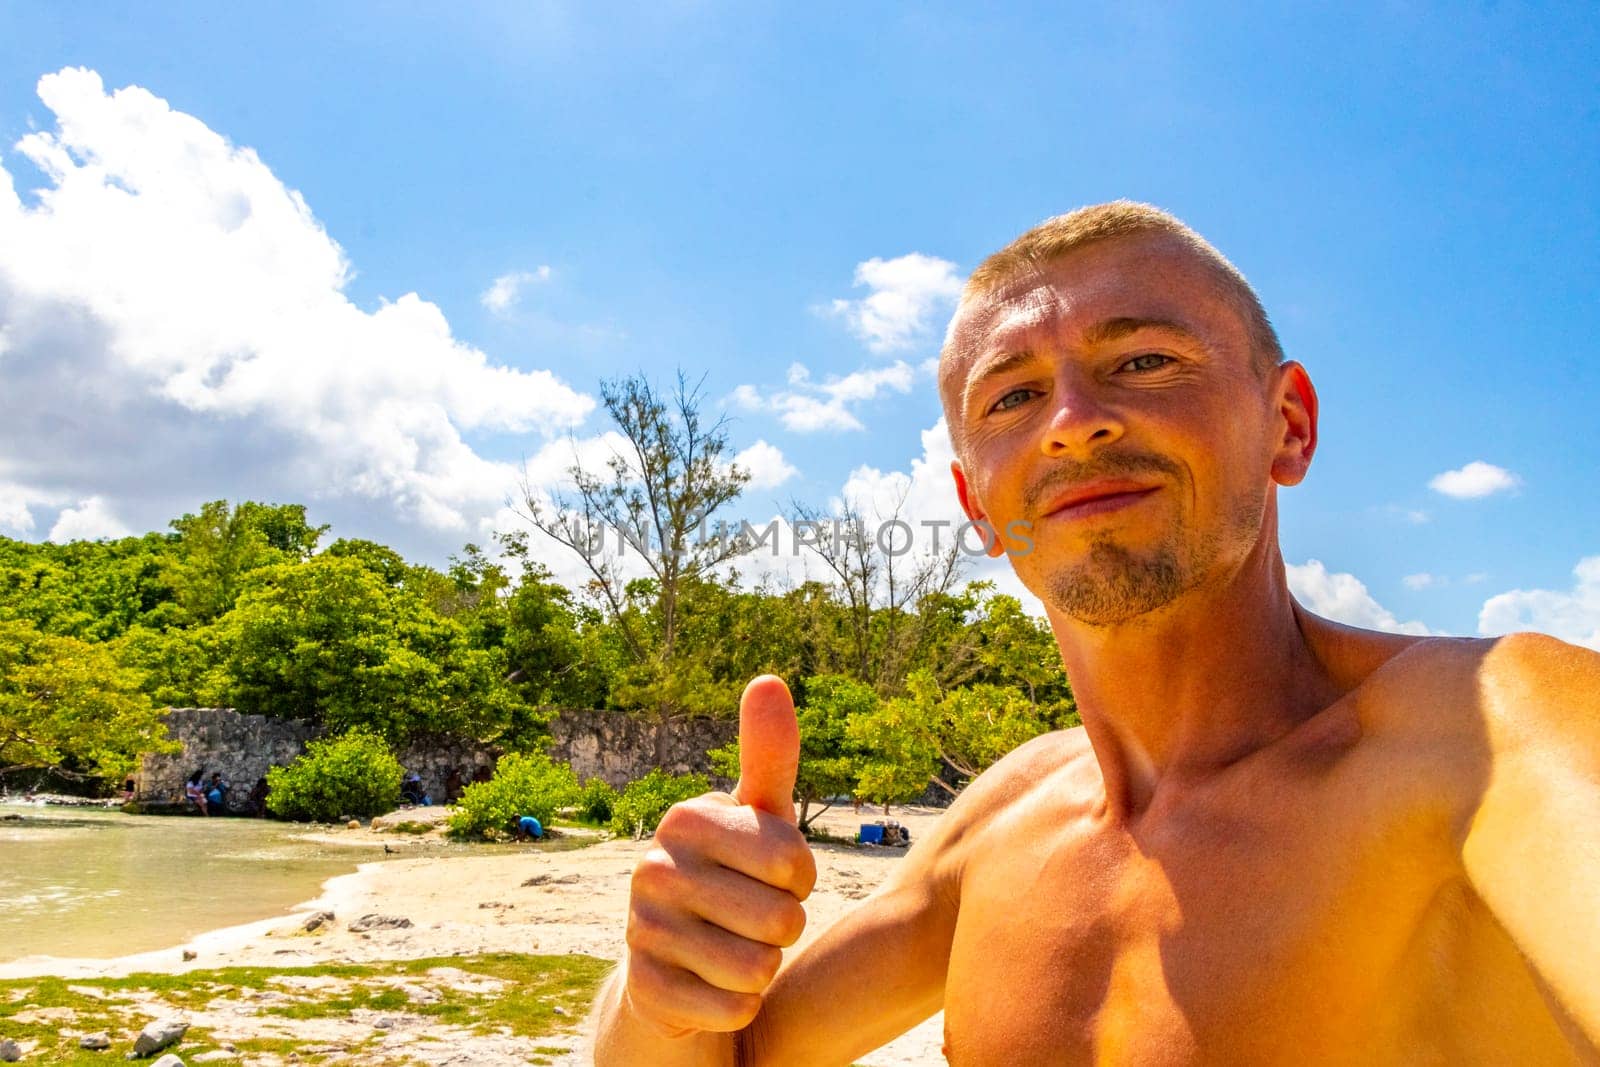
(717, 899)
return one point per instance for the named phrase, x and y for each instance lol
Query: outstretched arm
(1532, 848)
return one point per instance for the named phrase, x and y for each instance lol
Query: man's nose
(1083, 420)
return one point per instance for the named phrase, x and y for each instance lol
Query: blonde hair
(1055, 238)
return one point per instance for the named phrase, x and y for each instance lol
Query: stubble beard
(1115, 584)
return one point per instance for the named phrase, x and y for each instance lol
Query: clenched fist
(717, 899)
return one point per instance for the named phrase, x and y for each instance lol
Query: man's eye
(1148, 361)
(1011, 399)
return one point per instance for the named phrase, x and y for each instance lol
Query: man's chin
(1102, 592)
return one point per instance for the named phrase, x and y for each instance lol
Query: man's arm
(872, 975)
(713, 905)
(877, 972)
(1532, 846)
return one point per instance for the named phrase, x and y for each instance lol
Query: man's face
(1112, 404)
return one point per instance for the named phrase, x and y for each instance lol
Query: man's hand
(717, 900)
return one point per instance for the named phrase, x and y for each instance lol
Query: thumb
(769, 747)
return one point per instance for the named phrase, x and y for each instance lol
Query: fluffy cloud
(766, 466)
(1573, 615)
(16, 507)
(90, 520)
(905, 295)
(1474, 480)
(1419, 581)
(506, 290)
(1344, 598)
(175, 317)
(809, 406)
(925, 497)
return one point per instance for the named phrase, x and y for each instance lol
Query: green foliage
(350, 776)
(66, 704)
(910, 738)
(221, 545)
(181, 668)
(596, 801)
(523, 784)
(329, 641)
(661, 492)
(639, 809)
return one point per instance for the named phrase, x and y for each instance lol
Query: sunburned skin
(1275, 839)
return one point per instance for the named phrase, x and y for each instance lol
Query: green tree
(218, 547)
(67, 705)
(911, 739)
(181, 668)
(883, 571)
(328, 640)
(644, 801)
(660, 495)
(523, 784)
(352, 776)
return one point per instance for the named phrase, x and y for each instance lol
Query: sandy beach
(552, 903)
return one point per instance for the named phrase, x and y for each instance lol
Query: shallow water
(94, 883)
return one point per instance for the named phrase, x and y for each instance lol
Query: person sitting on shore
(411, 791)
(529, 829)
(194, 790)
(217, 794)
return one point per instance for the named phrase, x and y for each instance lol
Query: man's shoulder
(1445, 711)
(1473, 676)
(1061, 762)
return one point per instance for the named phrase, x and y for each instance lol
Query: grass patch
(500, 993)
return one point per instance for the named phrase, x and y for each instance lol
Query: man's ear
(1296, 400)
(992, 544)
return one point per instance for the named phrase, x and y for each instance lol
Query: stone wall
(620, 748)
(242, 747)
(603, 744)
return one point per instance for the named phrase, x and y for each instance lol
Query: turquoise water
(94, 883)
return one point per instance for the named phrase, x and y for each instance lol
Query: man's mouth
(1096, 498)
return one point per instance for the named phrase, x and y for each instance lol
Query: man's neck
(1175, 696)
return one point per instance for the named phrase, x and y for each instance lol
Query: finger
(739, 904)
(769, 747)
(742, 839)
(724, 960)
(682, 1001)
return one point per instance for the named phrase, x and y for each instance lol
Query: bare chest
(1238, 933)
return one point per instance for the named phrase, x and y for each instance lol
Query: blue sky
(1410, 188)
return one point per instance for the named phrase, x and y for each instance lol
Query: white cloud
(1573, 615)
(810, 407)
(1344, 598)
(766, 466)
(1476, 479)
(506, 290)
(89, 521)
(906, 293)
(16, 506)
(1420, 581)
(177, 323)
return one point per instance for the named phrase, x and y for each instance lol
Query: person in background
(217, 794)
(411, 788)
(258, 798)
(194, 790)
(529, 829)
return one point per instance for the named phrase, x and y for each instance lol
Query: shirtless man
(1275, 839)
